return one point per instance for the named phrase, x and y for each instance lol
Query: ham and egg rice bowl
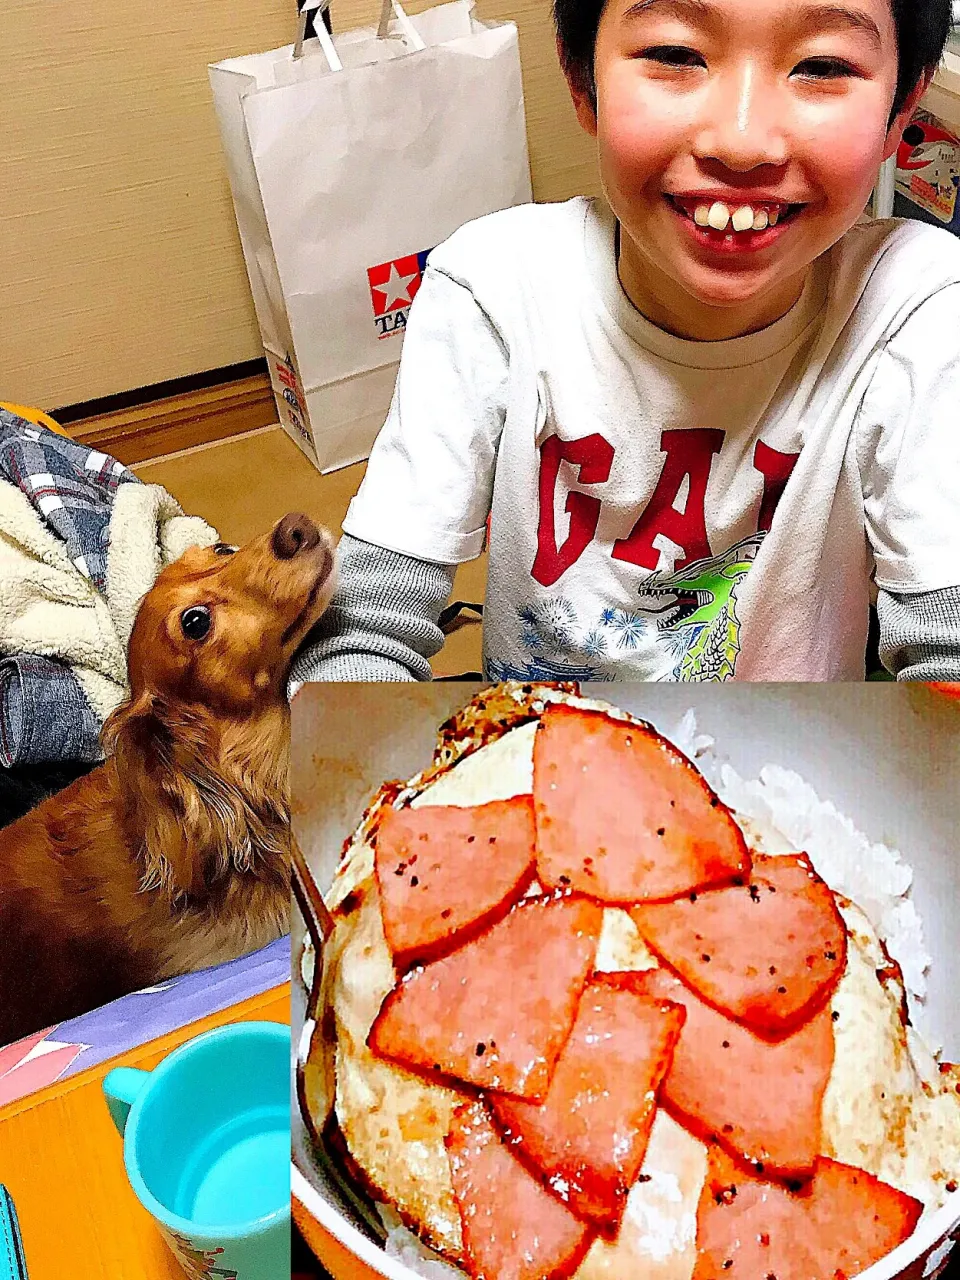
(596, 1015)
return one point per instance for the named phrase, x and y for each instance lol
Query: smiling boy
(701, 412)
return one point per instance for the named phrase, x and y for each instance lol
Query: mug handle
(122, 1086)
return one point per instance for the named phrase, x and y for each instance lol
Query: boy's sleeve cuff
(348, 668)
(434, 545)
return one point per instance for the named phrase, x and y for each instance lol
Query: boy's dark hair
(922, 30)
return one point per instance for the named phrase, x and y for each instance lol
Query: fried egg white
(887, 1109)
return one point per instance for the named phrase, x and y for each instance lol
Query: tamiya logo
(393, 286)
(292, 393)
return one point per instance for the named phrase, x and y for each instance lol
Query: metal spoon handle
(309, 899)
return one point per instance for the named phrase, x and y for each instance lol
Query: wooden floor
(245, 484)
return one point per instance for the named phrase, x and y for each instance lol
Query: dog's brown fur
(174, 854)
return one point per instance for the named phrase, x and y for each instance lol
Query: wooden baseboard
(181, 421)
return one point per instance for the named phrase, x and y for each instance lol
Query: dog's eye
(223, 549)
(195, 621)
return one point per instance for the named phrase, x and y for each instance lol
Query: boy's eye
(671, 55)
(824, 68)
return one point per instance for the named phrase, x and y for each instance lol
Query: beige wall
(119, 261)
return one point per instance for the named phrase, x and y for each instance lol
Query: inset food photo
(654, 983)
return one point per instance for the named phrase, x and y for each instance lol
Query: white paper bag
(347, 165)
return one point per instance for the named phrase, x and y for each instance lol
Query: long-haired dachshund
(173, 854)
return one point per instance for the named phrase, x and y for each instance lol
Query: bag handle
(321, 29)
(390, 11)
(394, 9)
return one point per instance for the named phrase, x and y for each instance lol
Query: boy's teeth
(743, 219)
(718, 216)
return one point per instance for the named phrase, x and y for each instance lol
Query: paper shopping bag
(347, 166)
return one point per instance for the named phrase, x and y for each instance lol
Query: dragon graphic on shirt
(701, 623)
(690, 614)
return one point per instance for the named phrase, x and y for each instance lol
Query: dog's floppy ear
(156, 822)
(191, 819)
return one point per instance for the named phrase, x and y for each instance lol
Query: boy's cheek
(632, 148)
(637, 134)
(849, 156)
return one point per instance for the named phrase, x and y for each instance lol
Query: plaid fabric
(71, 487)
(44, 712)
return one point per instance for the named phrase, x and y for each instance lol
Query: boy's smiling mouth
(734, 225)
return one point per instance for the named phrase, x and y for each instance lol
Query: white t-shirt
(664, 509)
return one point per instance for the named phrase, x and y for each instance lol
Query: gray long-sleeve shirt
(383, 623)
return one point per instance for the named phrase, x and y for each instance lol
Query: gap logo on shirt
(685, 625)
(393, 287)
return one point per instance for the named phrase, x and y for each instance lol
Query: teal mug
(206, 1145)
(13, 1265)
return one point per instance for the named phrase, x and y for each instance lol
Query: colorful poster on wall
(928, 173)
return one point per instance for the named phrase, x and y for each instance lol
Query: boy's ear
(905, 115)
(581, 91)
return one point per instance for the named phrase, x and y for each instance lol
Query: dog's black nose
(294, 533)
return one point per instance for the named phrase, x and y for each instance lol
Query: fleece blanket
(81, 542)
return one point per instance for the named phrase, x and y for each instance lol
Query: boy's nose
(742, 125)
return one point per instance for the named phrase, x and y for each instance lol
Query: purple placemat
(136, 1019)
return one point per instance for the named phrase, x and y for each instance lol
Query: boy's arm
(382, 623)
(920, 634)
(909, 457)
(428, 486)
(422, 507)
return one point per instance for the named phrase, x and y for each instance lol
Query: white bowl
(888, 756)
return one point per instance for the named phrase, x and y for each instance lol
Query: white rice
(780, 813)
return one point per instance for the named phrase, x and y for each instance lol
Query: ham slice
(496, 1012)
(446, 873)
(589, 1136)
(513, 1229)
(836, 1225)
(768, 953)
(760, 1100)
(622, 815)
